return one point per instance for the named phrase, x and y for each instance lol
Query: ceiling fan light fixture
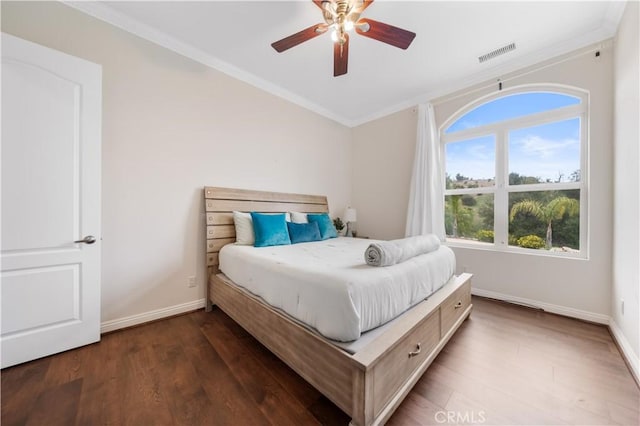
(348, 25)
(339, 35)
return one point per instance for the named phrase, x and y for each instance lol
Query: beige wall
(626, 229)
(570, 286)
(171, 126)
(382, 165)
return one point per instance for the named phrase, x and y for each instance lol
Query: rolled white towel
(415, 246)
(387, 253)
(382, 253)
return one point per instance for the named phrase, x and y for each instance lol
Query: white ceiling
(235, 37)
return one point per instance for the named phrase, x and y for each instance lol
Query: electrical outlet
(622, 306)
(191, 281)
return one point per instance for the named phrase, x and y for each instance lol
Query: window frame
(501, 188)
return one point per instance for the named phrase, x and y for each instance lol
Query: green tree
(549, 212)
(485, 212)
(567, 232)
(575, 176)
(517, 179)
(469, 200)
(458, 218)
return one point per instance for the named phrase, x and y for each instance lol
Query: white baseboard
(627, 351)
(632, 358)
(119, 323)
(547, 307)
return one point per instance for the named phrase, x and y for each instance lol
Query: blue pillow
(327, 230)
(303, 232)
(270, 229)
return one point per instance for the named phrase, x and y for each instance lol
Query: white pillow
(244, 229)
(299, 217)
(245, 235)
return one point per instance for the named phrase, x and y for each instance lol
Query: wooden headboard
(221, 202)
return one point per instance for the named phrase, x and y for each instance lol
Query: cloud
(529, 155)
(473, 158)
(536, 146)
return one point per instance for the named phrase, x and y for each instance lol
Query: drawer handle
(416, 352)
(458, 305)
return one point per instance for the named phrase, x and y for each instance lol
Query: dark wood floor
(507, 365)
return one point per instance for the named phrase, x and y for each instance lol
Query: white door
(51, 142)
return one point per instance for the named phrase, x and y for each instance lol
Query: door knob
(89, 239)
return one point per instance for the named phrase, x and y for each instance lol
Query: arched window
(515, 167)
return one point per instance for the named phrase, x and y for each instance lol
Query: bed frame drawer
(454, 306)
(402, 360)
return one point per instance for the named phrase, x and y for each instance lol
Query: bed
(367, 379)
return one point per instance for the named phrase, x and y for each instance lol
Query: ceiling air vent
(497, 52)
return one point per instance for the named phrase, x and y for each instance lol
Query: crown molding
(105, 13)
(598, 38)
(98, 10)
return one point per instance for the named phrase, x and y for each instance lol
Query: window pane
(471, 163)
(545, 220)
(546, 153)
(511, 106)
(469, 217)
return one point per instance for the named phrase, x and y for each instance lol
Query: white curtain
(425, 214)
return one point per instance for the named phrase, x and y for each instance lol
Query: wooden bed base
(368, 385)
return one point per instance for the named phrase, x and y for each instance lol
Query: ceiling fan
(342, 16)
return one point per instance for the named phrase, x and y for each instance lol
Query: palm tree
(455, 212)
(547, 213)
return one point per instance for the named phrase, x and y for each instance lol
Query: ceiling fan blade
(385, 33)
(340, 57)
(299, 37)
(319, 3)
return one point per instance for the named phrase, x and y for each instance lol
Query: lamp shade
(350, 214)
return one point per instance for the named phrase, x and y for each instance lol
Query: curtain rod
(529, 70)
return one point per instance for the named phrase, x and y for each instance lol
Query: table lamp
(350, 219)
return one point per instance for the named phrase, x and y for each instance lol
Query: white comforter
(328, 286)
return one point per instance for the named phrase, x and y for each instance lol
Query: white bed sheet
(328, 286)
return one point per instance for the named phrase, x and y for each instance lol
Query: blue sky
(544, 151)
